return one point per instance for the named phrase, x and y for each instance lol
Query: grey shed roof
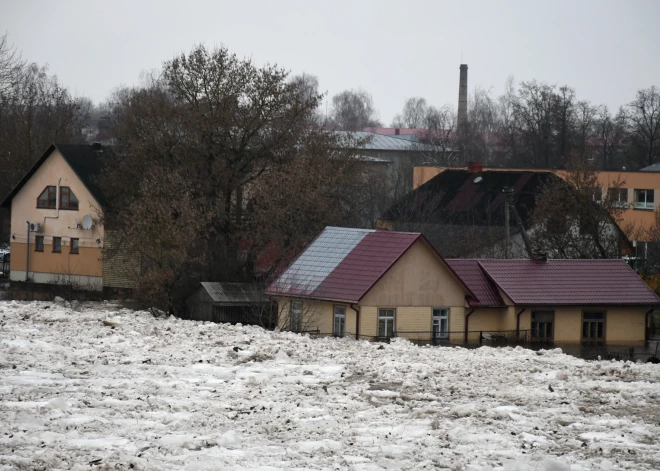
(382, 142)
(235, 294)
(651, 168)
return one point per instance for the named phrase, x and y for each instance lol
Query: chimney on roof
(540, 257)
(475, 167)
(462, 99)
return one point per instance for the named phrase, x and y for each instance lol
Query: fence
(480, 337)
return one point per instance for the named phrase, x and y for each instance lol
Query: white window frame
(339, 315)
(644, 204)
(296, 316)
(388, 318)
(439, 314)
(619, 203)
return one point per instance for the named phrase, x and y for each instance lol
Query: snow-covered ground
(153, 394)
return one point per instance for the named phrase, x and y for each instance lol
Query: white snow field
(165, 394)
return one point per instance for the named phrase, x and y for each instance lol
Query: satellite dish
(478, 179)
(87, 222)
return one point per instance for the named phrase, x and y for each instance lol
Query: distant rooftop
(390, 143)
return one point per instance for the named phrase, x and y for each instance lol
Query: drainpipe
(647, 317)
(518, 324)
(57, 203)
(356, 308)
(27, 255)
(465, 334)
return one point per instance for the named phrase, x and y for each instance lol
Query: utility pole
(507, 226)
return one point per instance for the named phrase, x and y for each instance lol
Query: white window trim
(334, 319)
(645, 204)
(295, 326)
(620, 203)
(393, 317)
(433, 318)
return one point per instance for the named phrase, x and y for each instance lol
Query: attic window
(48, 198)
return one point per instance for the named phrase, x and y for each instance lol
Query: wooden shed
(235, 303)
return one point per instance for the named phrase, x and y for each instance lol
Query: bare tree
(644, 117)
(10, 65)
(353, 110)
(573, 218)
(414, 114)
(609, 134)
(213, 157)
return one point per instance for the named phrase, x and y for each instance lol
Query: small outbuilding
(235, 303)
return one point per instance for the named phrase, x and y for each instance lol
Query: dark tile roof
(461, 198)
(484, 290)
(569, 282)
(85, 161)
(365, 265)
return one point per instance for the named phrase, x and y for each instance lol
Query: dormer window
(48, 198)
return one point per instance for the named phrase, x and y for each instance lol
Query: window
(593, 326)
(340, 321)
(57, 244)
(440, 323)
(74, 246)
(596, 194)
(644, 199)
(296, 316)
(67, 199)
(386, 322)
(39, 244)
(48, 198)
(542, 325)
(618, 197)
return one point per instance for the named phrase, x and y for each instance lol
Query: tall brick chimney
(462, 100)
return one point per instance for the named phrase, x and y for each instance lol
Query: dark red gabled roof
(365, 265)
(343, 264)
(569, 282)
(484, 290)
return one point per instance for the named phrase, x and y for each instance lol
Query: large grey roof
(382, 142)
(235, 293)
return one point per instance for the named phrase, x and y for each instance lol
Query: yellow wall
(369, 321)
(418, 278)
(87, 262)
(317, 316)
(488, 320)
(622, 324)
(24, 208)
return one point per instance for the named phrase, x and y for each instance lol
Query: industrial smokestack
(462, 99)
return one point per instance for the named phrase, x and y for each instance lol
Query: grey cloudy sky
(606, 50)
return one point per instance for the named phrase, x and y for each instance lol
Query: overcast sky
(606, 50)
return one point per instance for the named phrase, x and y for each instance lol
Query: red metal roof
(569, 282)
(474, 277)
(365, 265)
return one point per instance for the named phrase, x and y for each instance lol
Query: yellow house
(56, 210)
(380, 284)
